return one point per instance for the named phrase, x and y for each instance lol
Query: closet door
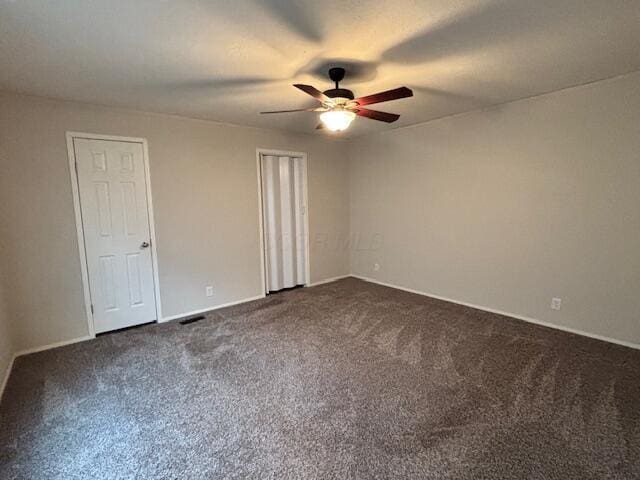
(284, 221)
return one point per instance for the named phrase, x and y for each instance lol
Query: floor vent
(187, 321)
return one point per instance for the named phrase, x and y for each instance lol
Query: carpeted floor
(343, 380)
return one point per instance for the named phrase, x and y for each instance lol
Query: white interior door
(283, 201)
(115, 220)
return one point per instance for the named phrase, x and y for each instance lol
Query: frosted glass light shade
(337, 120)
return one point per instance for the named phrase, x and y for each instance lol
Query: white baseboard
(165, 319)
(211, 309)
(85, 338)
(507, 314)
(328, 280)
(244, 300)
(35, 350)
(6, 376)
(54, 345)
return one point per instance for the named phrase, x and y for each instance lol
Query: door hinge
(91, 309)
(75, 164)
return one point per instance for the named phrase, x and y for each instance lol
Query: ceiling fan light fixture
(340, 107)
(337, 120)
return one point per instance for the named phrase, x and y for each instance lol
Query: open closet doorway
(285, 223)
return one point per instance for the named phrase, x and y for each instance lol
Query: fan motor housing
(339, 93)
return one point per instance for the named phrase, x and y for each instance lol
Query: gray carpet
(343, 380)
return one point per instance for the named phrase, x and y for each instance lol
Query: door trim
(78, 218)
(305, 196)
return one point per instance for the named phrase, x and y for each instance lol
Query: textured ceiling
(227, 60)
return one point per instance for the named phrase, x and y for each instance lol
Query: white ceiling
(227, 60)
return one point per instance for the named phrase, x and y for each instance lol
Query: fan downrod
(336, 74)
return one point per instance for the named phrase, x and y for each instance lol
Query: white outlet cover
(556, 303)
(376, 267)
(209, 291)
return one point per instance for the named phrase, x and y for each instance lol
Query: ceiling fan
(339, 107)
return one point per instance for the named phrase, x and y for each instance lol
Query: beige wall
(510, 206)
(502, 208)
(204, 183)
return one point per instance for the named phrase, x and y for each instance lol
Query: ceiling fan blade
(313, 91)
(395, 94)
(376, 115)
(291, 111)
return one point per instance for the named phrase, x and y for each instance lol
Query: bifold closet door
(284, 225)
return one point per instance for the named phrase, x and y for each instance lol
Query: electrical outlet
(376, 267)
(209, 291)
(556, 303)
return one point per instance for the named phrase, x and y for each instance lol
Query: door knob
(144, 245)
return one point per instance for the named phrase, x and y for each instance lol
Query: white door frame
(305, 196)
(73, 173)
